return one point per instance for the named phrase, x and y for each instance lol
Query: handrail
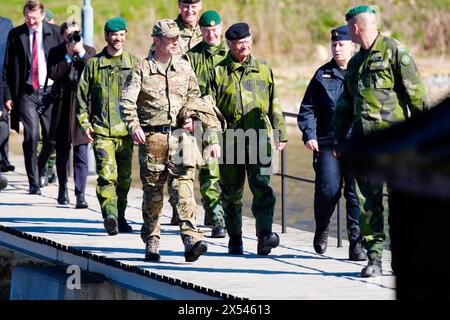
(283, 176)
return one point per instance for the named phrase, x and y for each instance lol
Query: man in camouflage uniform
(155, 92)
(190, 36)
(203, 58)
(382, 87)
(101, 84)
(244, 90)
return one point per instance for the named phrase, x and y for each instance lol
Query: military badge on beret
(405, 60)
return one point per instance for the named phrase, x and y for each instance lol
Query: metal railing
(285, 176)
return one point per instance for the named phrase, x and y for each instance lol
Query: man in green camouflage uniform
(155, 92)
(244, 90)
(101, 84)
(203, 57)
(382, 87)
(190, 36)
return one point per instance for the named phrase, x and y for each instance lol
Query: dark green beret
(357, 10)
(115, 24)
(209, 19)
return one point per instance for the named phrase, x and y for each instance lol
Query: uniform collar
(154, 65)
(183, 25)
(249, 65)
(105, 59)
(220, 49)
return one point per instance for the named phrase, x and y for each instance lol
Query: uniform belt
(159, 129)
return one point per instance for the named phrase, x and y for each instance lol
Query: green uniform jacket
(245, 94)
(203, 58)
(101, 83)
(189, 37)
(382, 86)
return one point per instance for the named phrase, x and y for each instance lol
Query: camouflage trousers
(232, 178)
(208, 178)
(372, 217)
(52, 160)
(113, 156)
(156, 166)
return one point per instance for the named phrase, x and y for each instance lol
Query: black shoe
(175, 218)
(6, 166)
(193, 249)
(266, 242)
(235, 246)
(34, 190)
(43, 181)
(110, 224)
(320, 241)
(152, 249)
(356, 252)
(63, 195)
(373, 269)
(218, 230)
(124, 227)
(207, 222)
(81, 202)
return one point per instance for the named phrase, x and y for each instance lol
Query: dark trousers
(80, 164)
(328, 185)
(4, 138)
(30, 118)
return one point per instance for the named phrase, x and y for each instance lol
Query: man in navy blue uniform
(315, 120)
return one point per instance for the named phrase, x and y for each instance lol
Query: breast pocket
(381, 77)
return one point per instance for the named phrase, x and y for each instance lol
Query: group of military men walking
(196, 81)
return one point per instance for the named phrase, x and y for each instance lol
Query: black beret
(238, 31)
(189, 1)
(340, 33)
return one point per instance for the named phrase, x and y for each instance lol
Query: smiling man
(100, 85)
(187, 21)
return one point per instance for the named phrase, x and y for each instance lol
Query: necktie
(35, 64)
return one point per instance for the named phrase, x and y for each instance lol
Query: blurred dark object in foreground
(413, 157)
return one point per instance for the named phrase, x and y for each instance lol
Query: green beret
(357, 10)
(209, 19)
(115, 24)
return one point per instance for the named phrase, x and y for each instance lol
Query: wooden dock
(39, 226)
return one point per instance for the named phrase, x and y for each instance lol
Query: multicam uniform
(245, 94)
(382, 86)
(203, 58)
(152, 99)
(101, 84)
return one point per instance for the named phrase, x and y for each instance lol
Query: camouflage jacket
(101, 84)
(203, 58)
(151, 97)
(245, 94)
(189, 36)
(382, 86)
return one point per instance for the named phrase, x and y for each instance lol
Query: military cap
(340, 33)
(115, 24)
(48, 15)
(165, 28)
(357, 10)
(209, 19)
(238, 31)
(189, 1)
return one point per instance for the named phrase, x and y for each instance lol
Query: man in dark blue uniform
(315, 120)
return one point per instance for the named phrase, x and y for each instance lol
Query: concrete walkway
(291, 271)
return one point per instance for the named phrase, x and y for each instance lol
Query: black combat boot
(218, 231)
(266, 242)
(193, 248)
(235, 246)
(81, 201)
(63, 194)
(320, 241)
(356, 251)
(110, 224)
(207, 222)
(373, 269)
(124, 227)
(175, 218)
(152, 249)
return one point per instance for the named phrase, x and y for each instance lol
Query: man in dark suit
(66, 62)
(24, 77)
(5, 26)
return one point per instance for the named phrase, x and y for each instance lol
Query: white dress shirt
(41, 57)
